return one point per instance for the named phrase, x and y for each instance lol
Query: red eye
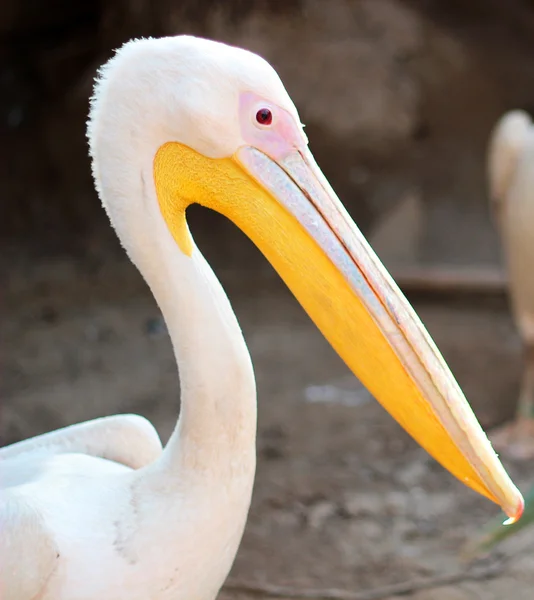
(264, 116)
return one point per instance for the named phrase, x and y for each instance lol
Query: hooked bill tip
(515, 518)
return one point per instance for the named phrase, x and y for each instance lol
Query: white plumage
(99, 511)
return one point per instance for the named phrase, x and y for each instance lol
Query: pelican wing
(130, 440)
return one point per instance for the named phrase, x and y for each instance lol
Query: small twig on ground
(396, 589)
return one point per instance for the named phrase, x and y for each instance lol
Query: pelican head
(212, 124)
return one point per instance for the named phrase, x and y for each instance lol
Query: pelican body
(511, 184)
(99, 510)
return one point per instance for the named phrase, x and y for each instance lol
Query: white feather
(98, 511)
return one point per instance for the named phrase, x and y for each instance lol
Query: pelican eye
(264, 116)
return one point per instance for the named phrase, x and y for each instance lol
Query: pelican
(100, 510)
(511, 187)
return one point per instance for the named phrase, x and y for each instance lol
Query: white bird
(511, 185)
(98, 511)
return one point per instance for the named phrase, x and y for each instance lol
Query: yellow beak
(292, 214)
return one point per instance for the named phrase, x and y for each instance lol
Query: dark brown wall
(398, 96)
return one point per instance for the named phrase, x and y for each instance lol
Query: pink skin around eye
(276, 140)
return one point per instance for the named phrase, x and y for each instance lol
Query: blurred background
(399, 98)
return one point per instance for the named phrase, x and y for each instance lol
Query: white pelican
(98, 511)
(511, 186)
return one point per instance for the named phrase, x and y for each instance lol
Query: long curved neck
(218, 394)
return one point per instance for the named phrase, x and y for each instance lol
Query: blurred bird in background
(511, 187)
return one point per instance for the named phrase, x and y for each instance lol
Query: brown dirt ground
(343, 497)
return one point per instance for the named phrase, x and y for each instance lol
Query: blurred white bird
(511, 186)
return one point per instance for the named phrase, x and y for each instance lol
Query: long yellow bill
(292, 214)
